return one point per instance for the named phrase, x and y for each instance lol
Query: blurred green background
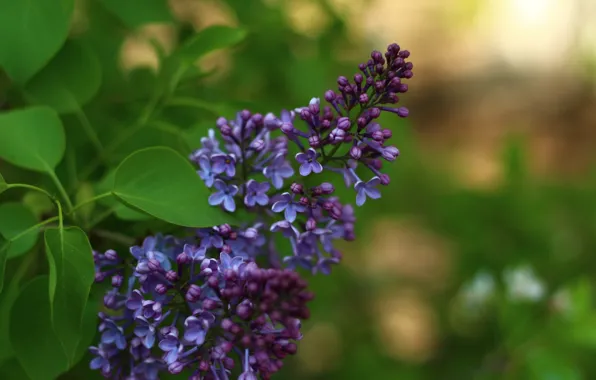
(478, 262)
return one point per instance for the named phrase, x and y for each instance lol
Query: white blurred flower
(523, 285)
(478, 290)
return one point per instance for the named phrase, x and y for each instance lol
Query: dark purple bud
(363, 98)
(224, 230)
(393, 48)
(100, 276)
(395, 82)
(374, 112)
(109, 300)
(257, 119)
(404, 54)
(193, 293)
(391, 97)
(172, 276)
(270, 121)
(244, 311)
(379, 68)
(311, 224)
(225, 130)
(325, 124)
(385, 180)
(330, 95)
(408, 74)
(403, 112)
(233, 235)
(378, 136)
(355, 152)
(287, 128)
(117, 280)
(227, 324)
(327, 188)
(314, 141)
(314, 108)
(213, 282)
(296, 188)
(362, 67)
(343, 123)
(245, 115)
(387, 133)
(376, 163)
(335, 212)
(377, 56)
(402, 88)
(305, 114)
(379, 86)
(209, 304)
(362, 122)
(258, 145)
(348, 138)
(327, 205)
(370, 81)
(221, 121)
(343, 81)
(358, 78)
(304, 201)
(228, 362)
(154, 265)
(316, 191)
(111, 255)
(182, 259)
(161, 289)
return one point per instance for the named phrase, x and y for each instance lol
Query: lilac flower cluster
(182, 310)
(251, 169)
(202, 304)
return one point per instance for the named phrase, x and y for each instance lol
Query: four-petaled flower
(103, 353)
(256, 193)
(278, 170)
(367, 189)
(224, 163)
(224, 195)
(172, 346)
(309, 163)
(112, 334)
(145, 330)
(289, 206)
(196, 330)
(206, 173)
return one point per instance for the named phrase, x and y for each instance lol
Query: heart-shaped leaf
(69, 81)
(121, 210)
(72, 273)
(14, 219)
(37, 29)
(35, 343)
(32, 138)
(164, 184)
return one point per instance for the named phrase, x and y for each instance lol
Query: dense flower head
(180, 310)
(202, 304)
(249, 165)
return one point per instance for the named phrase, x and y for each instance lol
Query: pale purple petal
(216, 198)
(316, 167)
(279, 206)
(302, 158)
(360, 198)
(229, 203)
(220, 185)
(305, 169)
(290, 213)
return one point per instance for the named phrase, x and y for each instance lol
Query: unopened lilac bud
(327, 205)
(377, 56)
(316, 191)
(378, 136)
(376, 163)
(248, 375)
(327, 188)
(385, 180)
(213, 282)
(233, 235)
(343, 123)
(337, 135)
(287, 128)
(109, 300)
(403, 112)
(225, 130)
(117, 280)
(224, 230)
(314, 108)
(226, 324)
(387, 133)
(355, 152)
(182, 259)
(244, 311)
(374, 112)
(193, 293)
(363, 98)
(348, 138)
(305, 114)
(314, 141)
(209, 304)
(221, 121)
(172, 276)
(304, 201)
(358, 78)
(251, 233)
(111, 255)
(408, 74)
(343, 81)
(296, 188)
(161, 289)
(154, 265)
(379, 68)
(404, 54)
(258, 145)
(390, 153)
(330, 95)
(325, 124)
(270, 121)
(335, 212)
(175, 368)
(99, 276)
(257, 119)
(395, 82)
(370, 81)
(245, 115)
(362, 122)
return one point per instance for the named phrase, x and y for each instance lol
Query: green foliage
(3, 185)
(38, 28)
(148, 177)
(71, 274)
(128, 11)
(4, 247)
(36, 345)
(14, 219)
(32, 138)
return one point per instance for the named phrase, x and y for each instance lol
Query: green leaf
(14, 219)
(35, 343)
(37, 29)
(6, 301)
(69, 81)
(135, 13)
(32, 138)
(4, 247)
(120, 210)
(548, 364)
(12, 369)
(88, 328)
(162, 183)
(84, 194)
(3, 185)
(208, 40)
(71, 275)
(38, 203)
